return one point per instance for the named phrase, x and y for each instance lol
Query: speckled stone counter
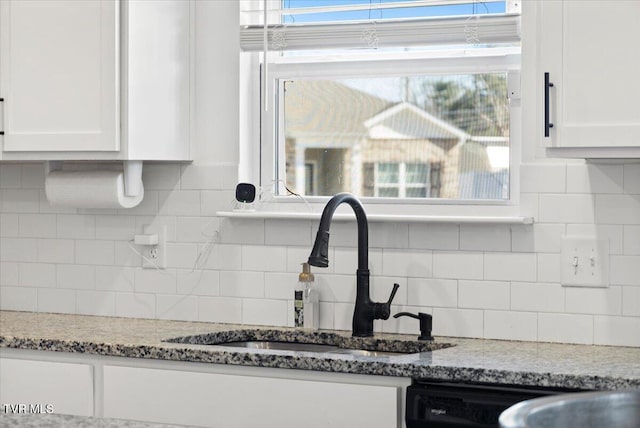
(470, 360)
(68, 421)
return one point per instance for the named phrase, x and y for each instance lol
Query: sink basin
(323, 342)
(307, 347)
(614, 409)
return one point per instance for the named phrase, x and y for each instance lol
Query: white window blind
(348, 24)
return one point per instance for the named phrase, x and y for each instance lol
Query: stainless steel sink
(611, 409)
(306, 347)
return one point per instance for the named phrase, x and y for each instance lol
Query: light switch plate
(584, 261)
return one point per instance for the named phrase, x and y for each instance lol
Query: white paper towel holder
(132, 174)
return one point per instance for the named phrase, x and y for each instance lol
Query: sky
(473, 7)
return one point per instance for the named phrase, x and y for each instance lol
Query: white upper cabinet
(589, 49)
(59, 75)
(95, 79)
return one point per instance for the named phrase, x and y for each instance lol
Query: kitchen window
(399, 102)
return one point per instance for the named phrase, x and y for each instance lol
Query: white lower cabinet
(198, 394)
(46, 387)
(222, 400)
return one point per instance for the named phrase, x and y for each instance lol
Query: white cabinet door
(42, 386)
(222, 400)
(590, 50)
(59, 75)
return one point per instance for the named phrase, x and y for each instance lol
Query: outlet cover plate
(160, 262)
(584, 261)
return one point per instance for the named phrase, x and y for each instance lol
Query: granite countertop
(470, 360)
(68, 421)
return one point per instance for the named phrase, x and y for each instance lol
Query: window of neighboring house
(419, 113)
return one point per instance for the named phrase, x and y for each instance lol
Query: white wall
(478, 281)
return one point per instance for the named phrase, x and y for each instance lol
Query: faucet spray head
(319, 254)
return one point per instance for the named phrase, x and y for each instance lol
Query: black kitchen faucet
(365, 310)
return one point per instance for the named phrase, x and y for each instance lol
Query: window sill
(381, 218)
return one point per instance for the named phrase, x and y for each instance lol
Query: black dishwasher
(435, 404)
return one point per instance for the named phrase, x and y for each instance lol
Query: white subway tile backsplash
(432, 292)
(267, 258)
(159, 281)
(20, 200)
(613, 233)
(172, 307)
(597, 301)
(279, 285)
(632, 178)
(56, 250)
(220, 256)
(161, 176)
(198, 282)
(434, 236)
(631, 301)
(483, 294)
(490, 281)
(179, 202)
(33, 176)
(37, 274)
(617, 209)
(241, 284)
(213, 201)
(474, 237)
(9, 225)
(78, 277)
(458, 265)
(135, 305)
(18, 249)
(631, 246)
(196, 229)
(337, 288)
(38, 225)
(220, 309)
(10, 176)
(510, 266)
(18, 299)
(458, 322)
(345, 261)
(565, 328)
(264, 312)
(566, 208)
(537, 297)
(56, 300)
(624, 270)
(95, 252)
(242, 231)
(616, 331)
(181, 255)
(115, 278)
(407, 263)
(543, 178)
(102, 303)
(388, 235)
(506, 325)
(9, 273)
(549, 269)
(287, 232)
(115, 227)
(594, 178)
(74, 226)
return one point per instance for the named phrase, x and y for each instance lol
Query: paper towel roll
(89, 189)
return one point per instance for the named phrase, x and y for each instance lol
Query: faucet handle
(426, 321)
(382, 311)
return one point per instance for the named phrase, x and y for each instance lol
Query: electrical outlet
(585, 261)
(155, 253)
